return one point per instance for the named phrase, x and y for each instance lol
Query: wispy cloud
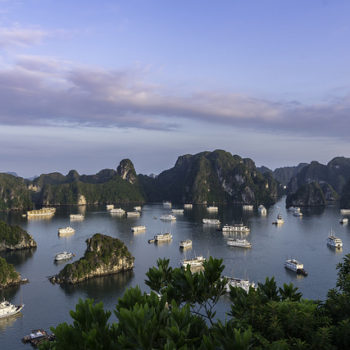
(18, 36)
(44, 91)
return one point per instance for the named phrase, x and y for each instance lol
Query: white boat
(110, 206)
(296, 266)
(241, 243)
(41, 212)
(177, 211)
(161, 237)
(133, 214)
(186, 244)
(167, 204)
(235, 228)
(195, 262)
(76, 217)
(66, 231)
(118, 211)
(297, 212)
(237, 282)
(334, 242)
(344, 220)
(7, 309)
(248, 207)
(211, 221)
(279, 220)
(262, 210)
(345, 211)
(188, 206)
(137, 208)
(212, 209)
(168, 217)
(63, 256)
(138, 228)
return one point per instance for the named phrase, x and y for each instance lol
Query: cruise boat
(138, 208)
(7, 309)
(66, 231)
(177, 211)
(167, 204)
(168, 217)
(118, 211)
(212, 209)
(76, 217)
(334, 242)
(235, 228)
(297, 212)
(211, 221)
(344, 220)
(237, 282)
(345, 211)
(296, 266)
(248, 207)
(279, 220)
(41, 212)
(186, 244)
(241, 243)
(110, 206)
(136, 229)
(64, 256)
(195, 262)
(262, 210)
(162, 237)
(188, 206)
(133, 214)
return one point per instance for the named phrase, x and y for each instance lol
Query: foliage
(12, 235)
(8, 274)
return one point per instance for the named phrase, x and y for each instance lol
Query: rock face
(104, 256)
(127, 171)
(14, 237)
(8, 275)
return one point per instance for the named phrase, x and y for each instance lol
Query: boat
(138, 228)
(110, 206)
(188, 206)
(279, 220)
(344, 220)
(186, 244)
(248, 207)
(296, 266)
(345, 211)
(334, 242)
(212, 209)
(137, 208)
(168, 217)
(167, 204)
(177, 211)
(46, 211)
(238, 282)
(161, 237)
(7, 309)
(66, 231)
(63, 256)
(211, 221)
(76, 217)
(262, 210)
(297, 212)
(241, 243)
(133, 214)
(37, 336)
(195, 262)
(119, 211)
(235, 228)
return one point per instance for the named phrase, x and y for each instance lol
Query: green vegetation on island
(182, 315)
(8, 275)
(14, 237)
(104, 255)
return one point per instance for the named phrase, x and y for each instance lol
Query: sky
(85, 84)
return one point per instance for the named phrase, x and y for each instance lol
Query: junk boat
(66, 231)
(186, 244)
(119, 211)
(334, 242)
(237, 282)
(297, 212)
(344, 220)
(241, 243)
(37, 336)
(345, 211)
(64, 256)
(211, 221)
(212, 209)
(195, 262)
(161, 237)
(137, 208)
(7, 309)
(41, 212)
(110, 206)
(279, 220)
(167, 204)
(177, 211)
(262, 210)
(168, 217)
(296, 266)
(247, 207)
(235, 228)
(138, 228)
(188, 206)
(133, 214)
(76, 217)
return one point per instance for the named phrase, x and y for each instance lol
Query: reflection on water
(9, 292)
(18, 257)
(9, 321)
(336, 250)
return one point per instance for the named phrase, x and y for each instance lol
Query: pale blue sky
(84, 84)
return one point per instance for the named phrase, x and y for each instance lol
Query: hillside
(14, 238)
(8, 275)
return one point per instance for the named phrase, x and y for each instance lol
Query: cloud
(17, 36)
(45, 91)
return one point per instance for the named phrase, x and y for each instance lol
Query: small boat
(237, 282)
(133, 214)
(297, 212)
(63, 256)
(212, 209)
(137, 208)
(37, 336)
(73, 217)
(136, 229)
(110, 206)
(177, 211)
(241, 243)
(168, 217)
(334, 242)
(247, 207)
(188, 206)
(195, 262)
(118, 211)
(344, 221)
(7, 309)
(66, 231)
(235, 228)
(161, 237)
(167, 204)
(262, 210)
(296, 266)
(279, 220)
(186, 244)
(345, 211)
(211, 221)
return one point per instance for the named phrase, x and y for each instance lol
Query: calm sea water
(47, 305)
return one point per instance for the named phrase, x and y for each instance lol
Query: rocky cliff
(14, 237)
(8, 275)
(104, 256)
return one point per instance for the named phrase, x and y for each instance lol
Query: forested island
(8, 275)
